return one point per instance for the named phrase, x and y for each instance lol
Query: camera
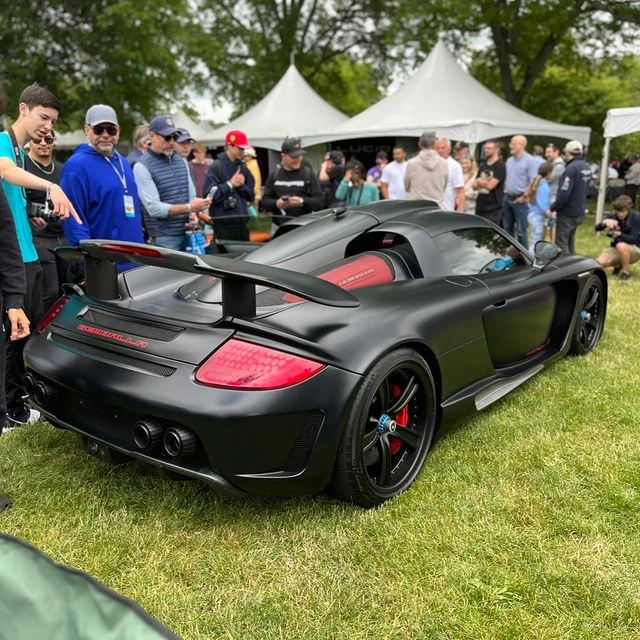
(37, 210)
(229, 203)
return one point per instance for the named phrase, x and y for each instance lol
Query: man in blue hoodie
(100, 184)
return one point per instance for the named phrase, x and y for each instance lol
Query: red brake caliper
(401, 418)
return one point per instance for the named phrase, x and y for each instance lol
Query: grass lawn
(523, 524)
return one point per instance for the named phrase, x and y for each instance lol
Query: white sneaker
(22, 419)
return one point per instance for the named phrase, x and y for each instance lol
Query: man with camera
(230, 186)
(293, 188)
(46, 229)
(623, 227)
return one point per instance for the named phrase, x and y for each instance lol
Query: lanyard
(16, 148)
(121, 176)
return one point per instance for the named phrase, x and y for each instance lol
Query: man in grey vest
(166, 188)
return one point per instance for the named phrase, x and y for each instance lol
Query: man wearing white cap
(571, 198)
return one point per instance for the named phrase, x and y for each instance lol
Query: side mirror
(545, 253)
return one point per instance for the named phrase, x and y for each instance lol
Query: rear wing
(239, 278)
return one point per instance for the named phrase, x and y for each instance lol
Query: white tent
(618, 122)
(200, 132)
(442, 97)
(291, 108)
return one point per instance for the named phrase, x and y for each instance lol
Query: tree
(260, 37)
(130, 54)
(524, 33)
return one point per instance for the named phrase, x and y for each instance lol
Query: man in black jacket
(293, 188)
(230, 186)
(571, 197)
(12, 289)
(623, 227)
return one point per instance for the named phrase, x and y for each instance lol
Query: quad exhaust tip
(179, 442)
(147, 434)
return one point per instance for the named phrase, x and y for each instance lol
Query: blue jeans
(170, 242)
(536, 221)
(514, 219)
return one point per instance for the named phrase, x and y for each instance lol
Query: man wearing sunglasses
(45, 227)
(101, 185)
(166, 188)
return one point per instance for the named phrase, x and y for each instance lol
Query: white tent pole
(604, 171)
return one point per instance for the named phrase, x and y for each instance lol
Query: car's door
(518, 322)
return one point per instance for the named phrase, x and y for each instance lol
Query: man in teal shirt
(38, 112)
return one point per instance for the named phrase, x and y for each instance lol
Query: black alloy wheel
(389, 431)
(591, 314)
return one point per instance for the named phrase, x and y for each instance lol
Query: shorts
(613, 255)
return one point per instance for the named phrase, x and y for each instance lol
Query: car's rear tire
(591, 314)
(102, 451)
(388, 431)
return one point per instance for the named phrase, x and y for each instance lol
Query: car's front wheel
(591, 309)
(388, 431)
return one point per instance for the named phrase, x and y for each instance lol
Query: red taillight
(146, 252)
(244, 365)
(49, 316)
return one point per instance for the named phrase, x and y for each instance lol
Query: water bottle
(192, 243)
(252, 211)
(201, 241)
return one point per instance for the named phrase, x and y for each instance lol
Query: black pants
(495, 215)
(3, 367)
(566, 233)
(51, 276)
(15, 363)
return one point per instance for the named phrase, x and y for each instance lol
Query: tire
(102, 451)
(377, 460)
(592, 307)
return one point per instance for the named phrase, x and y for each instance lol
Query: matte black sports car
(333, 356)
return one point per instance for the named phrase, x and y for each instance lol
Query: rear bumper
(280, 442)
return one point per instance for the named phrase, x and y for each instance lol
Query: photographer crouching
(623, 227)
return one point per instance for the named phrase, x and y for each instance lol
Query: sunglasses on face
(173, 136)
(48, 139)
(111, 129)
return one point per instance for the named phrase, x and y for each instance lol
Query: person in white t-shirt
(453, 199)
(392, 178)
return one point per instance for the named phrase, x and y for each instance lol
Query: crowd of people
(158, 193)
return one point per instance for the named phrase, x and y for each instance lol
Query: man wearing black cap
(571, 198)
(166, 189)
(293, 188)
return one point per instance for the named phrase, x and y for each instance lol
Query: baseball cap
(184, 136)
(100, 114)
(237, 139)
(162, 125)
(292, 147)
(574, 147)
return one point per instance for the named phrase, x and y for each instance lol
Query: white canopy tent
(291, 108)
(618, 122)
(442, 97)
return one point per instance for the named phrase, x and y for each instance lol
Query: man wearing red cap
(230, 186)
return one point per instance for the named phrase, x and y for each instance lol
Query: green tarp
(41, 600)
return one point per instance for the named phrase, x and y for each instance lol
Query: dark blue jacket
(218, 176)
(571, 197)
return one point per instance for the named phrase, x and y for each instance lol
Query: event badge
(129, 208)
